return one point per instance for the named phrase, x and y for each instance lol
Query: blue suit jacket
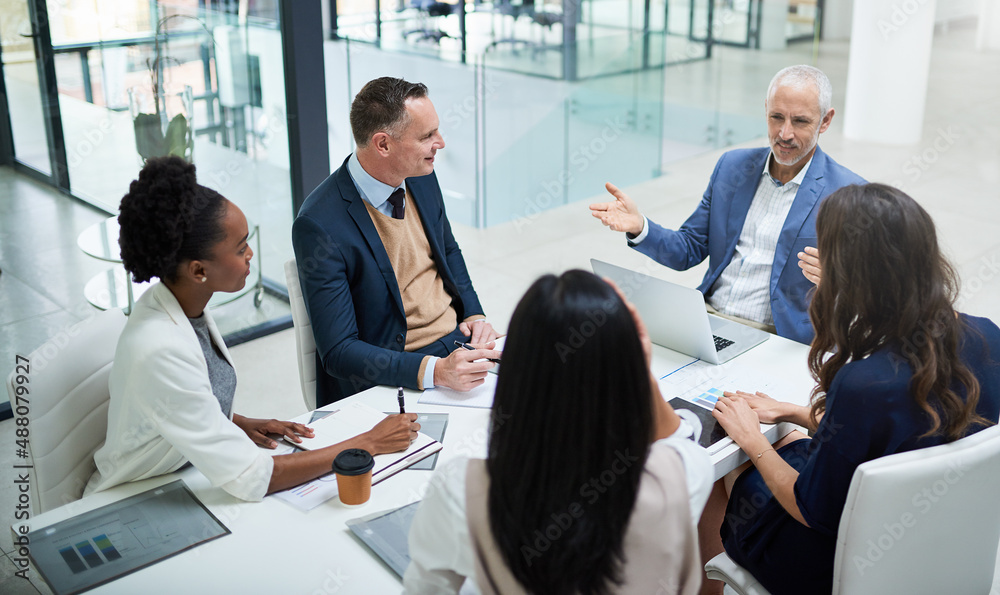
(351, 292)
(715, 227)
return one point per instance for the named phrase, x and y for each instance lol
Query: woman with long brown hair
(896, 369)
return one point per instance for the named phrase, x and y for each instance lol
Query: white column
(837, 19)
(887, 70)
(773, 24)
(988, 35)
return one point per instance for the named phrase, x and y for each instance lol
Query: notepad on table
(481, 396)
(342, 424)
(356, 418)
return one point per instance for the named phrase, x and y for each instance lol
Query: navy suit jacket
(714, 229)
(350, 288)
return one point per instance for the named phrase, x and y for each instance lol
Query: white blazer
(162, 412)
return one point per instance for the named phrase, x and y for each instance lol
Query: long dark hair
(573, 397)
(886, 284)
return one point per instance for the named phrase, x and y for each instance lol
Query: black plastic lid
(353, 461)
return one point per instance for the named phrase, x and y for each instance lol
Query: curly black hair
(167, 218)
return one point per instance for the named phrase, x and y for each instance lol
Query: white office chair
(305, 344)
(924, 521)
(67, 399)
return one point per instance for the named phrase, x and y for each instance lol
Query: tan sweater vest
(426, 303)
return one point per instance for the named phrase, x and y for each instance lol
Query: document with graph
(702, 383)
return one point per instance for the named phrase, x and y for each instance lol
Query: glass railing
(522, 139)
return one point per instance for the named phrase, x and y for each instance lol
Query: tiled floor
(961, 189)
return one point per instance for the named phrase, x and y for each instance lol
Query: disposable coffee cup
(354, 476)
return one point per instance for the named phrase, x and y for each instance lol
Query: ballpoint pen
(399, 398)
(471, 348)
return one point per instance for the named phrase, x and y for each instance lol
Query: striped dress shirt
(744, 287)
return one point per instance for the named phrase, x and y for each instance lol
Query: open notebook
(342, 424)
(349, 421)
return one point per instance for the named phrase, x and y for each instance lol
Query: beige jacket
(661, 547)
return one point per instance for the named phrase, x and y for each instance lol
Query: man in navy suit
(758, 215)
(384, 281)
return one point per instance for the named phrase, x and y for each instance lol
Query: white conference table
(276, 548)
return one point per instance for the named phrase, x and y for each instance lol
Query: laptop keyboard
(721, 343)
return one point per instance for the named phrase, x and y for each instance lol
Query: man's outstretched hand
(620, 214)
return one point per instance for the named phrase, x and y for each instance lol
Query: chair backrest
(305, 344)
(924, 521)
(67, 406)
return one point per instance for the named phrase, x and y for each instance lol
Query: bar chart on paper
(83, 554)
(703, 383)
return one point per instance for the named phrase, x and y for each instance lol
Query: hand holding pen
(465, 368)
(468, 347)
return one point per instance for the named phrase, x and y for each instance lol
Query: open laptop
(676, 317)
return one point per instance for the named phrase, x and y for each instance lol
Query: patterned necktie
(396, 200)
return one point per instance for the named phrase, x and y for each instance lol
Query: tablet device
(387, 534)
(711, 431)
(104, 544)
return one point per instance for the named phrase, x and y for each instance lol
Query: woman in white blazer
(172, 381)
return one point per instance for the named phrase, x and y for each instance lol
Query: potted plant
(161, 115)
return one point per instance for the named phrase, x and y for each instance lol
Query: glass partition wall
(23, 86)
(201, 79)
(521, 137)
(537, 37)
(541, 101)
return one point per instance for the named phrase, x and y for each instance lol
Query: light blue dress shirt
(377, 194)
